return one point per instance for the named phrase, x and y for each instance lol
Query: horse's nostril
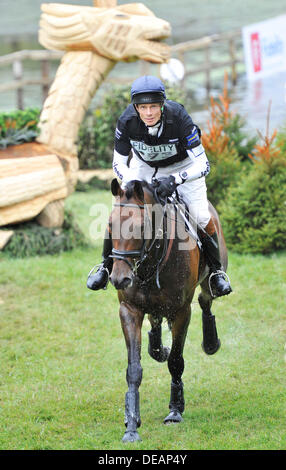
(121, 283)
(127, 281)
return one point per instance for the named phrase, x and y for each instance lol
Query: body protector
(176, 140)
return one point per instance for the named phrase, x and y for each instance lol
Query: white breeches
(193, 193)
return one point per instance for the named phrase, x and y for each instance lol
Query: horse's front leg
(176, 365)
(155, 347)
(131, 322)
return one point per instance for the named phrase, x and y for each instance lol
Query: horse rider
(165, 144)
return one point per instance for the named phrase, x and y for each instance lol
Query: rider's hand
(166, 186)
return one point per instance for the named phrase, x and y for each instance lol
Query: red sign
(255, 52)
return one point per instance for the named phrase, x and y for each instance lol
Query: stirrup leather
(219, 271)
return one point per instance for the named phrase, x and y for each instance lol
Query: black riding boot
(218, 280)
(100, 278)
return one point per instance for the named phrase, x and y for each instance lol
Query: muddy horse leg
(131, 322)
(211, 342)
(176, 365)
(155, 347)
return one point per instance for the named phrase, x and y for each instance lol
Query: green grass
(63, 359)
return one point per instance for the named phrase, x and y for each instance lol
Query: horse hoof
(160, 355)
(173, 417)
(131, 436)
(209, 351)
(165, 354)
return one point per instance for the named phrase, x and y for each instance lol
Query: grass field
(63, 359)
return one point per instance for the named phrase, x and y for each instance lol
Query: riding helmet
(147, 89)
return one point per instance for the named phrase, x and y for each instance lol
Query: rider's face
(149, 113)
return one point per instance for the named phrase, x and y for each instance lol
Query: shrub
(94, 183)
(17, 127)
(226, 171)
(225, 130)
(254, 212)
(242, 143)
(223, 142)
(30, 239)
(96, 134)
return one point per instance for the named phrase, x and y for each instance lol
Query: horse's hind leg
(155, 347)
(176, 365)
(131, 322)
(211, 342)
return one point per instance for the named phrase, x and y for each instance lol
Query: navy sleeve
(122, 137)
(122, 142)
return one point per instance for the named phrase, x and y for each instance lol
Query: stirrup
(100, 265)
(219, 271)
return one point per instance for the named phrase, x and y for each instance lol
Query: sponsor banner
(265, 47)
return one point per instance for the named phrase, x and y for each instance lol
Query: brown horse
(157, 276)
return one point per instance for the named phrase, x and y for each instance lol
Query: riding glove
(166, 186)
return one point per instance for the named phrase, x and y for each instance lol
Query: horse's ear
(115, 187)
(138, 190)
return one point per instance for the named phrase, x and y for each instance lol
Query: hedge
(31, 239)
(253, 213)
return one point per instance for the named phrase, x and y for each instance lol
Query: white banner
(265, 47)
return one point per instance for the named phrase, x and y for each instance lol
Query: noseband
(144, 251)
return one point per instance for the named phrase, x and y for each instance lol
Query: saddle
(181, 208)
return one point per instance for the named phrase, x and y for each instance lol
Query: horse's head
(126, 225)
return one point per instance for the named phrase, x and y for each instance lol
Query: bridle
(140, 255)
(133, 254)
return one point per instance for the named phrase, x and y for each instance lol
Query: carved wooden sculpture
(94, 39)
